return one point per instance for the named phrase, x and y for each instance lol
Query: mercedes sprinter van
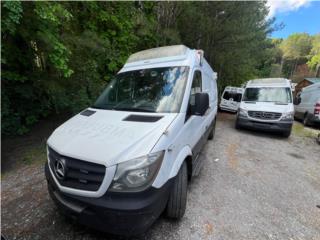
(267, 105)
(307, 105)
(117, 165)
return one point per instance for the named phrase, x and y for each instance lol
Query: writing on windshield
(146, 90)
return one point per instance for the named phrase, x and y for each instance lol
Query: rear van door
(231, 98)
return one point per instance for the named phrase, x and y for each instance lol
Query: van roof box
(269, 81)
(177, 51)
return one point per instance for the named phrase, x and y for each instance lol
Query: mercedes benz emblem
(60, 168)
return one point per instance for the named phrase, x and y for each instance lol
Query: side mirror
(296, 100)
(200, 54)
(201, 104)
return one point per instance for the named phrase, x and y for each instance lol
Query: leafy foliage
(296, 46)
(57, 56)
(233, 35)
(315, 53)
(295, 51)
(11, 16)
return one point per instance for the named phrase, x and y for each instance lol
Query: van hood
(107, 138)
(267, 107)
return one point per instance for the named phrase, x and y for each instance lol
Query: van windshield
(145, 90)
(236, 97)
(268, 94)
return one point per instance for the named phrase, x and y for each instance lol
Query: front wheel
(177, 202)
(306, 120)
(286, 134)
(237, 125)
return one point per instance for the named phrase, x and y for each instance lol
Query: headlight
(137, 174)
(287, 116)
(242, 112)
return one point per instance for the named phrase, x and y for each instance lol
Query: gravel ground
(253, 186)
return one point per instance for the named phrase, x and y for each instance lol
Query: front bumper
(117, 213)
(279, 126)
(228, 108)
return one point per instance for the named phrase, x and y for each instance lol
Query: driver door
(195, 124)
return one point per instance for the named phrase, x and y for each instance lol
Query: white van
(307, 105)
(119, 164)
(230, 99)
(267, 105)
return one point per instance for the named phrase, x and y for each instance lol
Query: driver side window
(196, 87)
(196, 82)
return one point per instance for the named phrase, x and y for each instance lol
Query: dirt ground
(253, 186)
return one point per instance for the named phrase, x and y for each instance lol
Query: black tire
(237, 126)
(213, 130)
(286, 134)
(177, 202)
(306, 120)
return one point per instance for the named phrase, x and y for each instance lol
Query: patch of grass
(301, 131)
(35, 155)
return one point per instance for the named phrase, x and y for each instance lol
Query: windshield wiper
(250, 102)
(132, 109)
(97, 107)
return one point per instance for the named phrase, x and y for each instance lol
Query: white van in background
(119, 164)
(307, 104)
(230, 99)
(267, 105)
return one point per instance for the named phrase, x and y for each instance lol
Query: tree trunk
(318, 71)
(294, 68)
(281, 65)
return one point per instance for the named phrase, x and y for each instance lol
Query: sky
(296, 15)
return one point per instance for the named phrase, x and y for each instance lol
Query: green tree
(31, 49)
(314, 61)
(57, 56)
(233, 36)
(296, 49)
(296, 46)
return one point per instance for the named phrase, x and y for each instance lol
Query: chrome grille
(264, 115)
(79, 174)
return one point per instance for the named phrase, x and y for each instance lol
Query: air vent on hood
(87, 113)
(142, 118)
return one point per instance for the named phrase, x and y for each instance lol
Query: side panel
(177, 147)
(184, 153)
(181, 137)
(305, 104)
